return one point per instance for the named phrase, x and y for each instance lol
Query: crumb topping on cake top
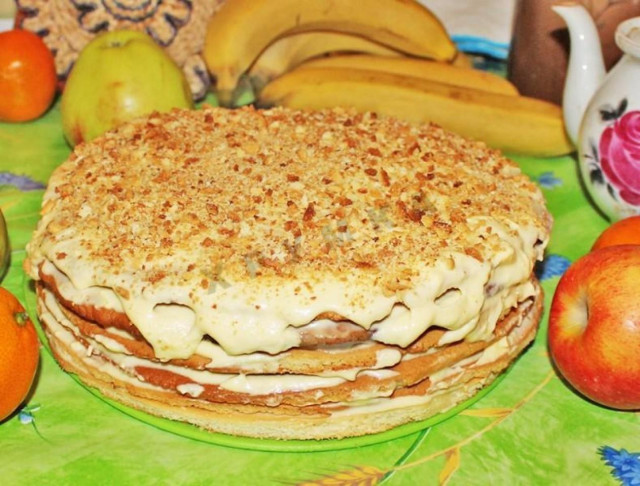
(209, 199)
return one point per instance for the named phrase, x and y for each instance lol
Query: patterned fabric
(625, 466)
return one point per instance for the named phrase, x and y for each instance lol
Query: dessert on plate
(287, 274)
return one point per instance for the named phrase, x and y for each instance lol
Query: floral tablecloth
(529, 429)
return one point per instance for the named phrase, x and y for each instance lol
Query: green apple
(118, 76)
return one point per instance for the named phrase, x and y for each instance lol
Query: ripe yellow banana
(420, 68)
(462, 60)
(515, 124)
(292, 50)
(241, 29)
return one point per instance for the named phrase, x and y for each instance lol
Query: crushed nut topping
(214, 186)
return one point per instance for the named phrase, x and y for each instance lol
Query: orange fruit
(19, 353)
(623, 232)
(27, 76)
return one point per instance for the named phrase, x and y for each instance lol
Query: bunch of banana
(241, 30)
(513, 123)
(420, 68)
(292, 50)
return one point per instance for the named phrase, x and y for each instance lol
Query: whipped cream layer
(458, 293)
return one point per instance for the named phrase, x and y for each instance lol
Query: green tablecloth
(529, 429)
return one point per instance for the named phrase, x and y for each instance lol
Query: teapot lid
(628, 36)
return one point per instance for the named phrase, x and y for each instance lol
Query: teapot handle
(585, 70)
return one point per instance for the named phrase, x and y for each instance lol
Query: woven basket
(178, 26)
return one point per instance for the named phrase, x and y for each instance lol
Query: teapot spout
(585, 70)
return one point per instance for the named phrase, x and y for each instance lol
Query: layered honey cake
(287, 274)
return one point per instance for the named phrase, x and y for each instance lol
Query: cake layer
(289, 406)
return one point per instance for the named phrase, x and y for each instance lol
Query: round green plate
(249, 443)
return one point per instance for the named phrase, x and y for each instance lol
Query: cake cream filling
(442, 381)
(51, 316)
(122, 365)
(65, 330)
(460, 293)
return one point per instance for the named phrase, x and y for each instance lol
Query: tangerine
(19, 353)
(623, 232)
(27, 76)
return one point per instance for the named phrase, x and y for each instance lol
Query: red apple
(594, 326)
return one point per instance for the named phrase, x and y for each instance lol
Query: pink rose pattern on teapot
(617, 155)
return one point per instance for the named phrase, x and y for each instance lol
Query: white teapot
(602, 112)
